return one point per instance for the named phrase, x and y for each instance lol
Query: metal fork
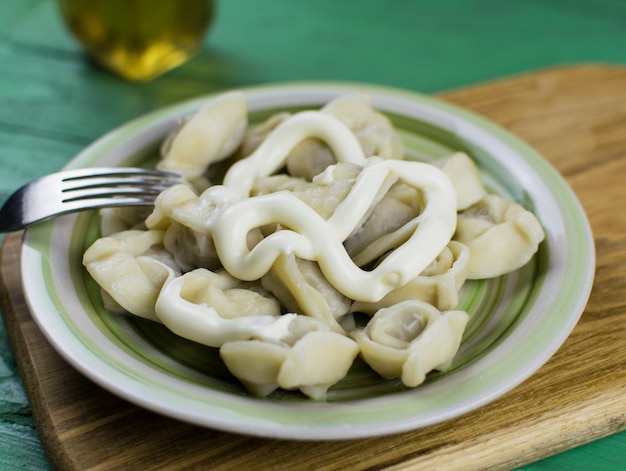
(77, 190)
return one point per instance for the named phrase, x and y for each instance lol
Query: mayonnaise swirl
(273, 151)
(312, 237)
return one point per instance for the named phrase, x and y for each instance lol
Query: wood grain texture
(575, 117)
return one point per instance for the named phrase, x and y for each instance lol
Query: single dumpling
(210, 135)
(410, 339)
(309, 158)
(131, 267)
(317, 361)
(255, 363)
(501, 236)
(182, 215)
(310, 358)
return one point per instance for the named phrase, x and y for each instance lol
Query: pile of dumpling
(282, 231)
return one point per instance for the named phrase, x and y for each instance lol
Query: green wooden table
(53, 102)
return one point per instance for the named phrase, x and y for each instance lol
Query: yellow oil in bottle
(138, 39)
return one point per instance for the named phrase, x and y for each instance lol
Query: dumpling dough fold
(501, 236)
(210, 309)
(463, 173)
(131, 267)
(410, 339)
(210, 135)
(438, 285)
(312, 363)
(301, 287)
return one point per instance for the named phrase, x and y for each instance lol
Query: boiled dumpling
(210, 135)
(190, 249)
(501, 235)
(182, 216)
(311, 361)
(131, 267)
(317, 361)
(410, 339)
(255, 363)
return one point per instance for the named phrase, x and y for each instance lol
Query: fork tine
(117, 176)
(80, 189)
(122, 181)
(116, 183)
(91, 193)
(106, 202)
(115, 186)
(111, 182)
(87, 173)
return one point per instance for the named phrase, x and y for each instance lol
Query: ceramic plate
(517, 321)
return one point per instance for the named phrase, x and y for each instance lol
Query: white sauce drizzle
(273, 151)
(312, 237)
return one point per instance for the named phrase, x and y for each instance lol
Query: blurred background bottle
(138, 39)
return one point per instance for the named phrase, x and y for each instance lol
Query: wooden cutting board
(574, 116)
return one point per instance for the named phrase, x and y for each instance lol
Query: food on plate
(501, 235)
(409, 339)
(311, 363)
(317, 243)
(131, 266)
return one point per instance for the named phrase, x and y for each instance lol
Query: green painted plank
(607, 454)
(428, 48)
(25, 157)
